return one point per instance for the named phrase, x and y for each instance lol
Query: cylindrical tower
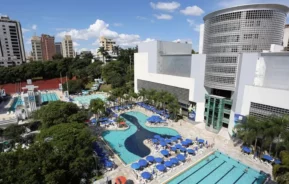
(248, 28)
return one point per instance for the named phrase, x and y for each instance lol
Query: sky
(128, 22)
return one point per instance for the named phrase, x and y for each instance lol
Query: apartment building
(67, 47)
(48, 47)
(58, 48)
(36, 48)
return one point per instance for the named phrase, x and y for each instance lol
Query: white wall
(174, 48)
(266, 96)
(286, 37)
(198, 64)
(151, 48)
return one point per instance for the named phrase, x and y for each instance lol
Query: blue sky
(127, 21)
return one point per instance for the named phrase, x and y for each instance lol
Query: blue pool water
(128, 144)
(45, 97)
(219, 168)
(86, 99)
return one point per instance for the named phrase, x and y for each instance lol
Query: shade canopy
(189, 141)
(120, 180)
(108, 163)
(182, 149)
(168, 163)
(163, 143)
(201, 140)
(178, 146)
(102, 119)
(173, 148)
(185, 143)
(267, 157)
(246, 149)
(159, 160)
(150, 158)
(129, 182)
(135, 166)
(168, 141)
(155, 141)
(174, 160)
(277, 161)
(165, 152)
(178, 136)
(142, 162)
(181, 157)
(191, 151)
(146, 175)
(161, 167)
(174, 139)
(157, 136)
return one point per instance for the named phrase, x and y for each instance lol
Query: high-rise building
(11, 42)
(286, 38)
(36, 48)
(227, 33)
(107, 43)
(48, 47)
(67, 47)
(58, 48)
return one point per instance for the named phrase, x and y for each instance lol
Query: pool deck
(190, 130)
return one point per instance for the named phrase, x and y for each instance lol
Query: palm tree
(103, 52)
(143, 94)
(115, 49)
(97, 106)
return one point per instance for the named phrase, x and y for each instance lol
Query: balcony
(225, 120)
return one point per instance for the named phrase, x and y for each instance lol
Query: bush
(74, 86)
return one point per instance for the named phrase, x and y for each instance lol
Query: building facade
(48, 47)
(67, 47)
(107, 43)
(11, 43)
(286, 38)
(58, 48)
(36, 48)
(227, 34)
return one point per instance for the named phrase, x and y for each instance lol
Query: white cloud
(34, 27)
(164, 16)
(28, 41)
(166, 6)
(149, 40)
(192, 10)
(183, 41)
(192, 24)
(25, 30)
(141, 18)
(75, 44)
(117, 24)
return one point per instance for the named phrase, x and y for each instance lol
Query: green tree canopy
(14, 132)
(57, 57)
(74, 86)
(97, 106)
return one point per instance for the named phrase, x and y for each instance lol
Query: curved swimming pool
(128, 144)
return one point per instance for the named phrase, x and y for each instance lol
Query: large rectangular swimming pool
(219, 168)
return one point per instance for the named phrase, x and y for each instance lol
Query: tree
(97, 107)
(14, 132)
(103, 52)
(57, 57)
(74, 86)
(55, 113)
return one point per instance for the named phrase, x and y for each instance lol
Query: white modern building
(67, 47)
(11, 43)
(243, 69)
(286, 37)
(36, 48)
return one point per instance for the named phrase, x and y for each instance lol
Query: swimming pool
(219, 168)
(128, 144)
(86, 99)
(45, 97)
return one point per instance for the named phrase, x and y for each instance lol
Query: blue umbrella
(146, 175)
(135, 166)
(196, 138)
(182, 149)
(267, 157)
(173, 148)
(277, 161)
(168, 163)
(161, 167)
(168, 141)
(191, 151)
(174, 160)
(246, 149)
(159, 160)
(189, 141)
(157, 136)
(93, 120)
(184, 143)
(174, 139)
(155, 141)
(178, 146)
(150, 158)
(201, 141)
(165, 152)
(108, 163)
(102, 119)
(181, 157)
(178, 136)
(162, 143)
(142, 162)
(161, 139)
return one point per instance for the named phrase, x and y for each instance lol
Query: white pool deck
(188, 130)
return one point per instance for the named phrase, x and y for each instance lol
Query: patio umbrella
(174, 160)
(178, 146)
(181, 157)
(246, 149)
(162, 143)
(120, 180)
(108, 163)
(277, 161)
(173, 148)
(196, 138)
(182, 149)
(157, 136)
(184, 143)
(150, 158)
(174, 139)
(168, 164)
(201, 141)
(189, 141)
(135, 166)
(168, 141)
(146, 175)
(129, 182)
(142, 162)
(155, 141)
(178, 136)
(161, 139)
(102, 119)
(165, 152)
(93, 120)
(267, 157)
(159, 160)
(161, 167)
(191, 151)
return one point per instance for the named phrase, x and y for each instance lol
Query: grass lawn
(89, 85)
(105, 87)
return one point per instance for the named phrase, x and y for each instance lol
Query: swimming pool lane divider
(239, 177)
(190, 166)
(233, 167)
(197, 170)
(211, 172)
